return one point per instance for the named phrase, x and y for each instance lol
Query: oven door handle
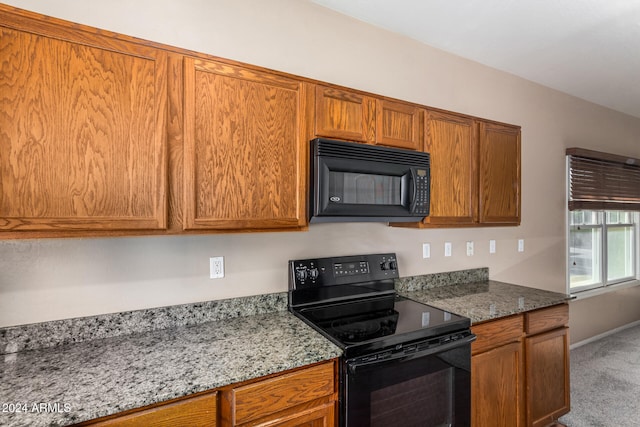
(355, 365)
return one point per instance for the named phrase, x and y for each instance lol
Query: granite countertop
(485, 299)
(73, 370)
(104, 376)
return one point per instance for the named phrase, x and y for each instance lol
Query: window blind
(602, 181)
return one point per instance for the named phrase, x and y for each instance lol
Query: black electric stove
(352, 301)
(402, 360)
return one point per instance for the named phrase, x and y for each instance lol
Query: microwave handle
(414, 190)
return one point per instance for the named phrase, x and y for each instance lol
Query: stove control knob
(389, 265)
(313, 273)
(301, 275)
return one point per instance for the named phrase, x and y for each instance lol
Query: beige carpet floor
(605, 382)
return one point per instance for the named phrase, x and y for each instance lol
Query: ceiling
(587, 48)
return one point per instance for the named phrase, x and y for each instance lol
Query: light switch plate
(492, 246)
(520, 245)
(469, 248)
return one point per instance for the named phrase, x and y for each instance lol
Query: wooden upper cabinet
(475, 172)
(82, 130)
(344, 115)
(244, 147)
(499, 185)
(452, 144)
(398, 125)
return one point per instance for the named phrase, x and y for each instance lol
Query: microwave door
(348, 190)
(369, 189)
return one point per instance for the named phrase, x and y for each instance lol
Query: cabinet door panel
(398, 125)
(244, 155)
(452, 144)
(82, 133)
(499, 174)
(497, 397)
(344, 115)
(547, 377)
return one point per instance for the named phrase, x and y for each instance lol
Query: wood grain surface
(81, 136)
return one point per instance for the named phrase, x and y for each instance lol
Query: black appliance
(366, 183)
(404, 363)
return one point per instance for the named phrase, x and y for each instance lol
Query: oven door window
(422, 392)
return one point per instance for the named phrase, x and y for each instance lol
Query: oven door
(411, 389)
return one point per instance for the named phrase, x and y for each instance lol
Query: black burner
(366, 327)
(354, 331)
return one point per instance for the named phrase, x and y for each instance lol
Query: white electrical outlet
(426, 250)
(469, 248)
(447, 248)
(492, 246)
(216, 267)
(520, 245)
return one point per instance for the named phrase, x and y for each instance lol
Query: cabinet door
(499, 174)
(82, 130)
(497, 392)
(245, 154)
(547, 377)
(452, 143)
(344, 115)
(398, 125)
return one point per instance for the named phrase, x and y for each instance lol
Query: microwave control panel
(422, 184)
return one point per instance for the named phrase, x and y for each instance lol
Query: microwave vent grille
(355, 151)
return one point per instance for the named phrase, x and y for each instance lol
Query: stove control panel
(318, 272)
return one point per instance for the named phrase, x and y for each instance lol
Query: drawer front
(266, 397)
(495, 333)
(546, 319)
(200, 411)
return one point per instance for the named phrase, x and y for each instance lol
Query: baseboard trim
(604, 334)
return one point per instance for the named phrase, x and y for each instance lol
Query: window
(604, 204)
(602, 248)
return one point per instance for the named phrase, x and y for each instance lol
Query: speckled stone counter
(484, 300)
(104, 376)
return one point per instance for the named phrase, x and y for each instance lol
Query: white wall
(52, 279)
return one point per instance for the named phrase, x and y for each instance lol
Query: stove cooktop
(352, 301)
(365, 326)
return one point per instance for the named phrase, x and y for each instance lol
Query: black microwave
(353, 182)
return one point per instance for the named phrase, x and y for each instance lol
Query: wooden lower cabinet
(299, 397)
(497, 374)
(199, 411)
(547, 373)
(496, 381)
(520, 369)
